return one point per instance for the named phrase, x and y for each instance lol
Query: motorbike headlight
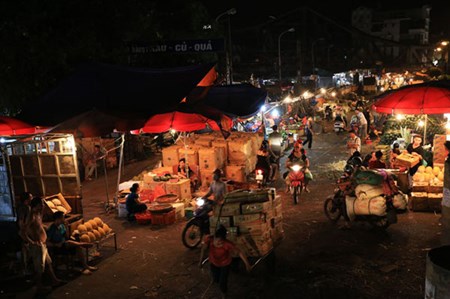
(200, 202)
(295, 167)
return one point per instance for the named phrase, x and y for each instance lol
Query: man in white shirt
(363, 124)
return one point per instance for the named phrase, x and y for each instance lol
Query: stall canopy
(118, 90)
(243, 100)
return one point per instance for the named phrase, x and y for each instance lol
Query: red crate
(143, 217)
(163, 218)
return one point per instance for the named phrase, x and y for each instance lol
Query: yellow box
(170, 155)
(235, 173)
(181, 188)
(209, 158)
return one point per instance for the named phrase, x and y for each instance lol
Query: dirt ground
(316, 259)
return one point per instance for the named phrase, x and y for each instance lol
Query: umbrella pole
(425, 130)
(186, 165)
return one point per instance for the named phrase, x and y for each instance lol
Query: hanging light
(421, 123)
(399, 116)
(172, 131)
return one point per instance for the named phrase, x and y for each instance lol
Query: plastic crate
(143, 217)
(163, 218)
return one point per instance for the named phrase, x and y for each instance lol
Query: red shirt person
(221, 252)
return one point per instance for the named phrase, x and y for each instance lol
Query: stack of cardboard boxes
(253, 220)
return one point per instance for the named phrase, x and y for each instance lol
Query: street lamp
(279, 52)
(228, 48)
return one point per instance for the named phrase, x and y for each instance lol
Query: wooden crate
(419, 201)
(407, 160)
(435, 201)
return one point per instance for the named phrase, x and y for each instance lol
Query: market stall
(431, 97)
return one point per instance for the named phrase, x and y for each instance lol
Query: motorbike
(335, 206)
(339, 127)
(197, 226)
(261, 177)
(297, 179)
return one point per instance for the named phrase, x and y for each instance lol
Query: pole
(279, 52)
(228, 46)
(230, 54)
(425, 130)
(122, 143)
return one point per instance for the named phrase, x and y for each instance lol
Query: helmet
(356, 161)
(349, 168)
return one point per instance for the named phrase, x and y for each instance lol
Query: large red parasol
(432, 97)
(180, 121)
(10, 126)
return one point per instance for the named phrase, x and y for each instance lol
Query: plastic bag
(309, 175)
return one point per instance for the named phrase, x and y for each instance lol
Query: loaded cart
(253, 219)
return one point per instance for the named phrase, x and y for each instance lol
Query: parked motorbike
(197, 226)
(339, 127)
(335, 206)
(297, 181)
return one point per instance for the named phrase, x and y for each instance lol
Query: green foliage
(394, 128)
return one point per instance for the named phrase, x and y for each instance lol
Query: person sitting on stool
(133, 203)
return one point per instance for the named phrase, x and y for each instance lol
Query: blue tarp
(119, 90)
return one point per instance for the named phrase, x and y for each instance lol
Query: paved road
(315, 260)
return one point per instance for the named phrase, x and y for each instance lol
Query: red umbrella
(180, 121)
(431, 97)
(11, 126)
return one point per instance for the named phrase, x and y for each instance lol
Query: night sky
(254, 12)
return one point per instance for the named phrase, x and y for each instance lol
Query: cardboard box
(170, 155)
(179, 210)
(209, 158)
(256, 207)
(182, 188)
(229, 209)
(249, 219)
(235, 173)
(407, 160)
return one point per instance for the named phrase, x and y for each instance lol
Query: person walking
(309, 132)
(220, 256)
(363, 124)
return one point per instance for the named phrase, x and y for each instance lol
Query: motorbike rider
(217, 188)
(297, 156)
(263, 160)
(275, 145)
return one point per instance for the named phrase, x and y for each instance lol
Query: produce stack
(253, 220)
(370, 194)
(427, 188)
(92, 230)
